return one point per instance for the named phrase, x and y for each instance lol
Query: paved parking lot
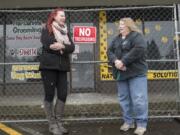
(155, 127)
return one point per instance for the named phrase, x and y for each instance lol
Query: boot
(59, 111)
(53, 127)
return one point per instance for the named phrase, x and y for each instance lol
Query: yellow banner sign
(162, 74)
(151, 75)
(22, 72)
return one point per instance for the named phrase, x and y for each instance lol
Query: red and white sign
(84, 34)
(27, 52)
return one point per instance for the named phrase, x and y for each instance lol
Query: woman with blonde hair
(127, 55)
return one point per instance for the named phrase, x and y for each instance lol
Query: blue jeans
(133, 99)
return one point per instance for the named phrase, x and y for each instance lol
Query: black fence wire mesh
(92, 91)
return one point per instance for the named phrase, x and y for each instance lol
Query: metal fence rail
(92, 90)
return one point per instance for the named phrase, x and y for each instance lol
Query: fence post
(176, 16)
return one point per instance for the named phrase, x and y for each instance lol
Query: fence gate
(21, 91)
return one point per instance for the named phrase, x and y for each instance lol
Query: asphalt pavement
(155, 127)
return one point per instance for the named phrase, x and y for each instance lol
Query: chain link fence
(92, 91)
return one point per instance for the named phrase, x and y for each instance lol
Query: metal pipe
(177, 51)
(84, 62)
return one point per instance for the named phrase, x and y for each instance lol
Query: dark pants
(54, 79)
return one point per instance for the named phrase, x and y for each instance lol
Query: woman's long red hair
(51, 19)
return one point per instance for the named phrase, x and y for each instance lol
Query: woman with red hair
(54, 65)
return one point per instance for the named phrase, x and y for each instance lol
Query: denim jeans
(133, 99)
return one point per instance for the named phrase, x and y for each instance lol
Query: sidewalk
(79, 105)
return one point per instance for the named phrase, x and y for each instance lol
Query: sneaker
(126, 127)
(140, 131)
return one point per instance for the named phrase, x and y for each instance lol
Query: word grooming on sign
(84, 34)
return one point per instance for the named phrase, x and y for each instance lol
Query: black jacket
(53, 60)
(132, 52)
